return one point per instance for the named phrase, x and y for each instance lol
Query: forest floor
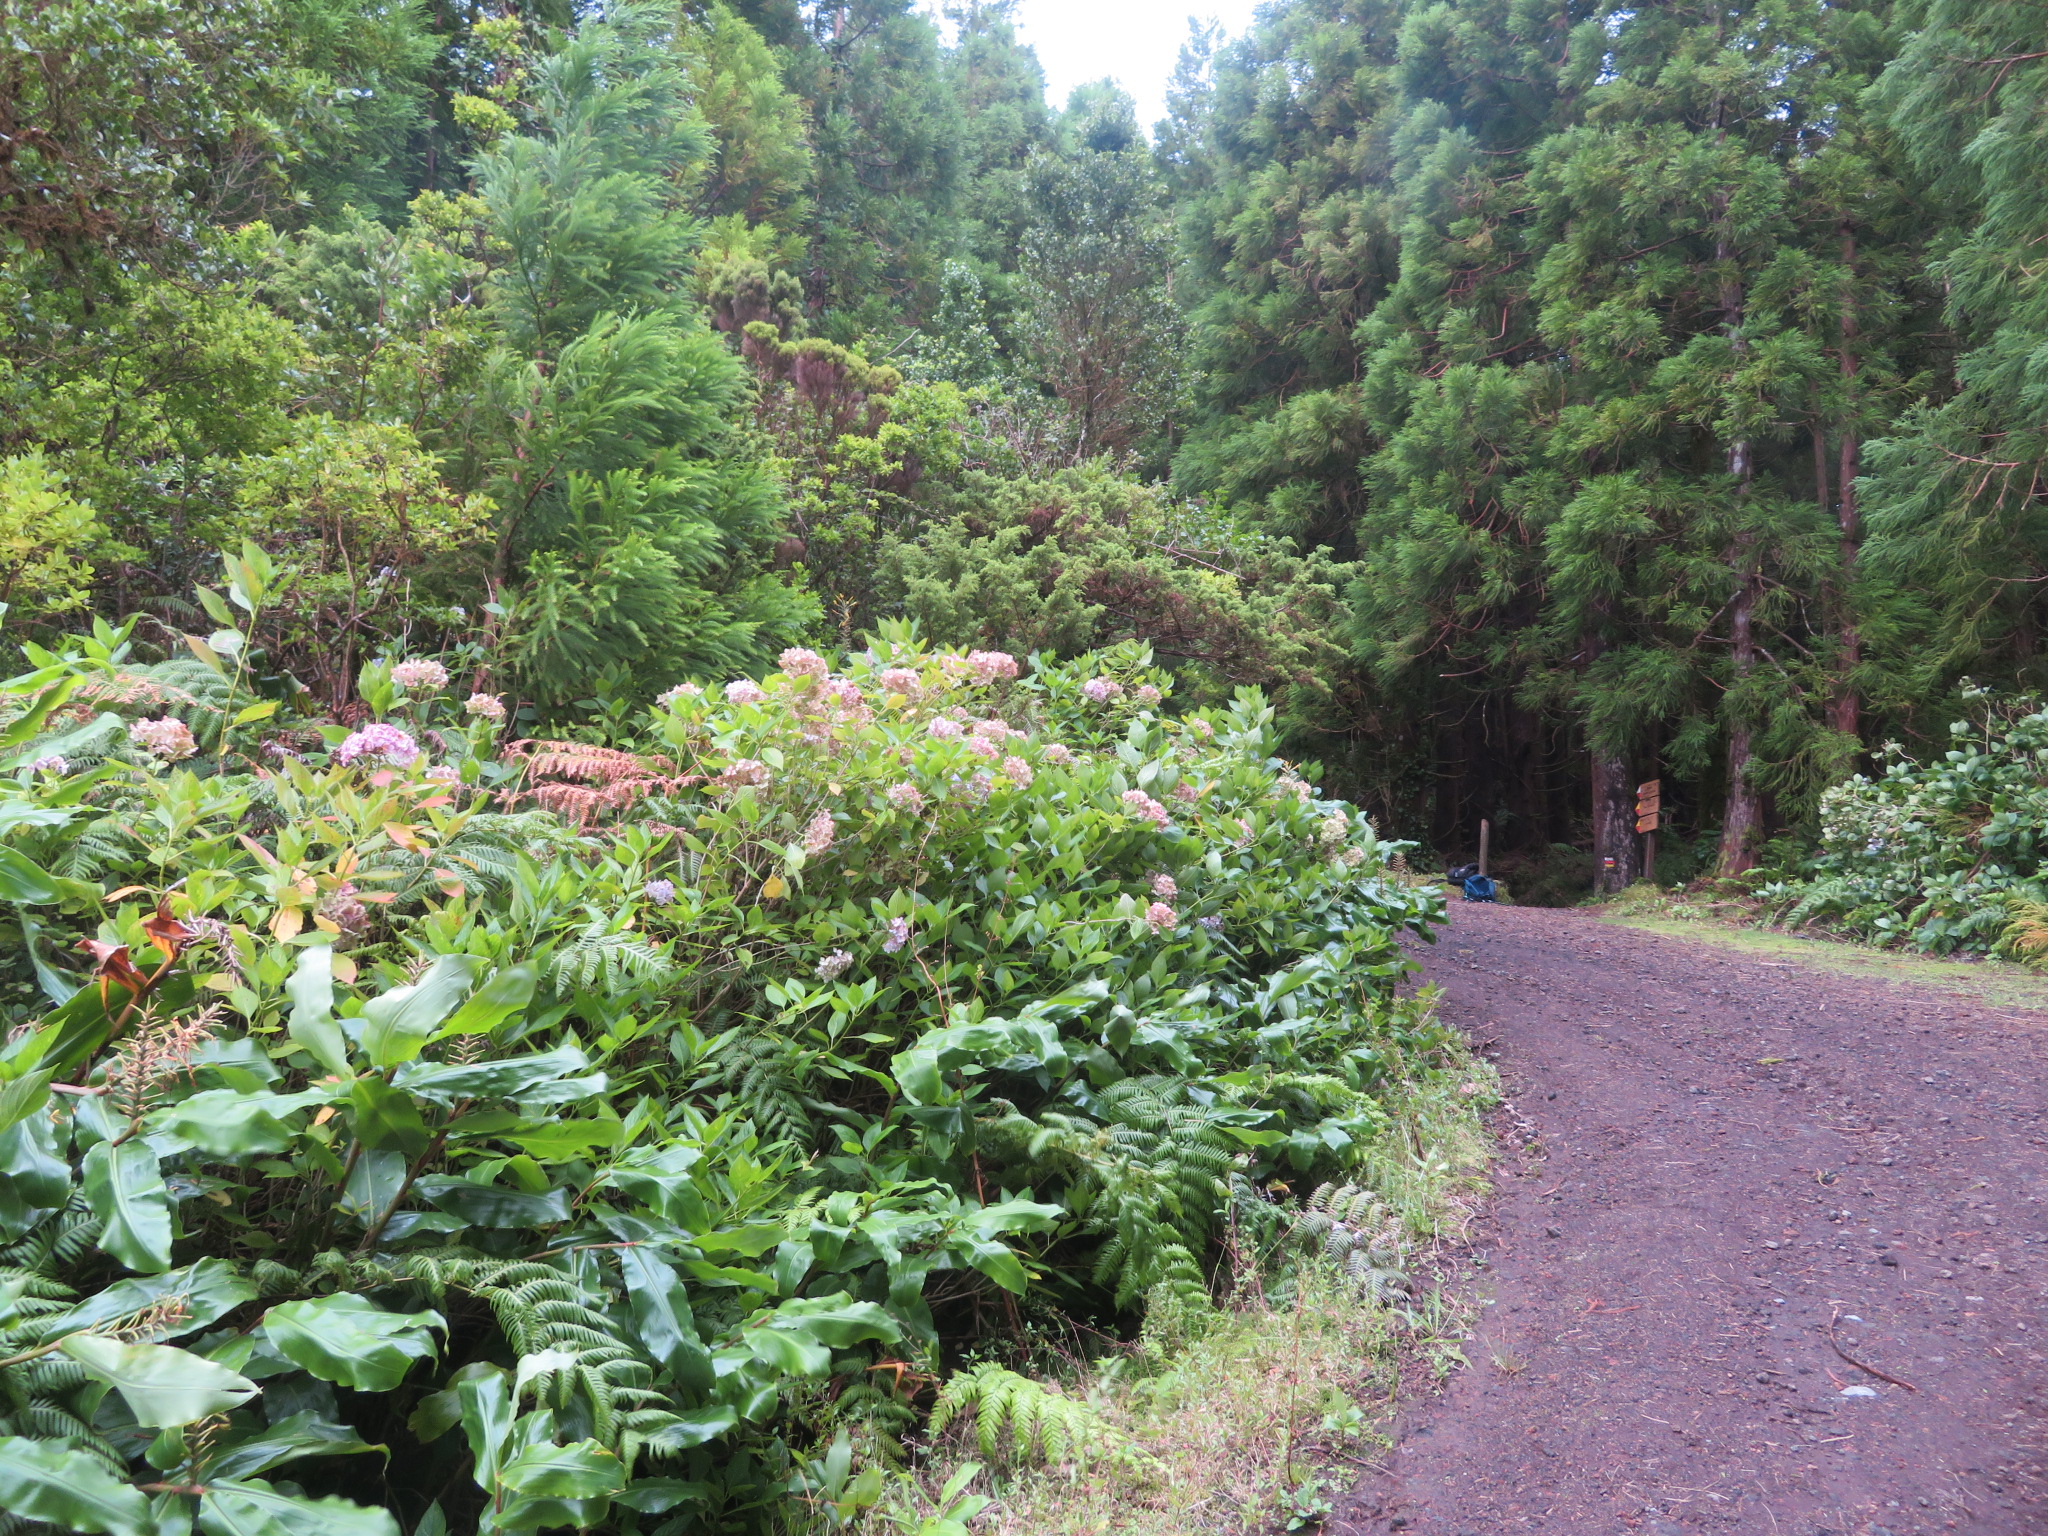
(1724, 1166)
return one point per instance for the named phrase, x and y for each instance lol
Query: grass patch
(1996, 983)
(1265, 1411)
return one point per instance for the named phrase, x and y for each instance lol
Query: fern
(606, 959)
(1354, 1229)
(541, 1311)
(760, 1071)
(1020, 1420)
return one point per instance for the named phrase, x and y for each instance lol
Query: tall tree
(1957, 498)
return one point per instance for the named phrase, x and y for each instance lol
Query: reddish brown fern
(580, 782)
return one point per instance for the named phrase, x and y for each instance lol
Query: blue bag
(1478, 888)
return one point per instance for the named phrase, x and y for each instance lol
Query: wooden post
(1649, 816)
(1485, 835)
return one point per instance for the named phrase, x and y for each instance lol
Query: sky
(1135, 42)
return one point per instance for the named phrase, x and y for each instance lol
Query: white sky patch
(1134, 42)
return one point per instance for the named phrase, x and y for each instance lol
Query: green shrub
(613, 1135)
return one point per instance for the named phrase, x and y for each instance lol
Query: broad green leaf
(29, 724)
(41, 1480)
(837, 1320)
(566, 1139)
(312, 1025)
(251, 1507)
(351, 1341)
(303, 1434)
(1017, 1045)
(585, 1470)
(162, 1385)
(258, 711)
(663, 1318)
(228, 1123)
(397, 1023)
(31, 1167)
(127, 1194)
(693, 1427)
(998, 1263)
(483, 1205)
(387, 1119)
(506, 993)
(204, 1293)
(22, 879)
(515, 1077)
(750, 1241)
(487, 1417)
(787, 1352)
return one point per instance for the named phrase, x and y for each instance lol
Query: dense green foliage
(621, 1135)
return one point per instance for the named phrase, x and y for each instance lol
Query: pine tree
(631, 540)
(1288, 241)
(1958, 553)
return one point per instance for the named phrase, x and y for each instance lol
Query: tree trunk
(1617, 851)
(1845, 708)
(1742, 824)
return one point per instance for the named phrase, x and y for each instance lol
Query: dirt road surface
(1710, 1164)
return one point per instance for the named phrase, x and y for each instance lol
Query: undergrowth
(1264, 1414)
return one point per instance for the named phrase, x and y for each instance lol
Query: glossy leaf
(205, 1292)
(23, 880)
(483, 1205)
(663, 1318)
(251, 1507)
(396, 1024)
(127, 1194)
(507, 992)
(162, 1385)
(585, 1470)
(387, 1119)
(289, 1439)
(73, 1491)
(350, 1341)
(311, 989)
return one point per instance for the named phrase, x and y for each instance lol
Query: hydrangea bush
(1939, 855)
(627, 1135)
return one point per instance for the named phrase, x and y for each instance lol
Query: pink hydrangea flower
(846, 695)
(1100, 690)
(1058, 754)
(899, 680)
(168, 739)
(1163, 886)
(899, 934)
(988, 666)
(1148, 695)
(994, 730)
(1160, 918)
(834, 965)
(443, 773)
(981, 746)
(385, 742)
(423, 672)
(485, 706)
(1202, 729)
(1334, 829)
(744, 691)
(1144, 805)
(942, 728)
(1186, 793)
(905, 796)
(746, 771)
(1018, 772)
(678, 693)
(819, 832)
(799, 662)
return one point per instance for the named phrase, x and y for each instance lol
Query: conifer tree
(1956, 498)
(630, 537)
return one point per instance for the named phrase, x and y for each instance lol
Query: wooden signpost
(1649, 811)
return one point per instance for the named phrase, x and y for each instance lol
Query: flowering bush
(1941, 855)
(607, 1146)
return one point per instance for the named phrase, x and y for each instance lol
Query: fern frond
(1018, 1420)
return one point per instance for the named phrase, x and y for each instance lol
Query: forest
(720, 725)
